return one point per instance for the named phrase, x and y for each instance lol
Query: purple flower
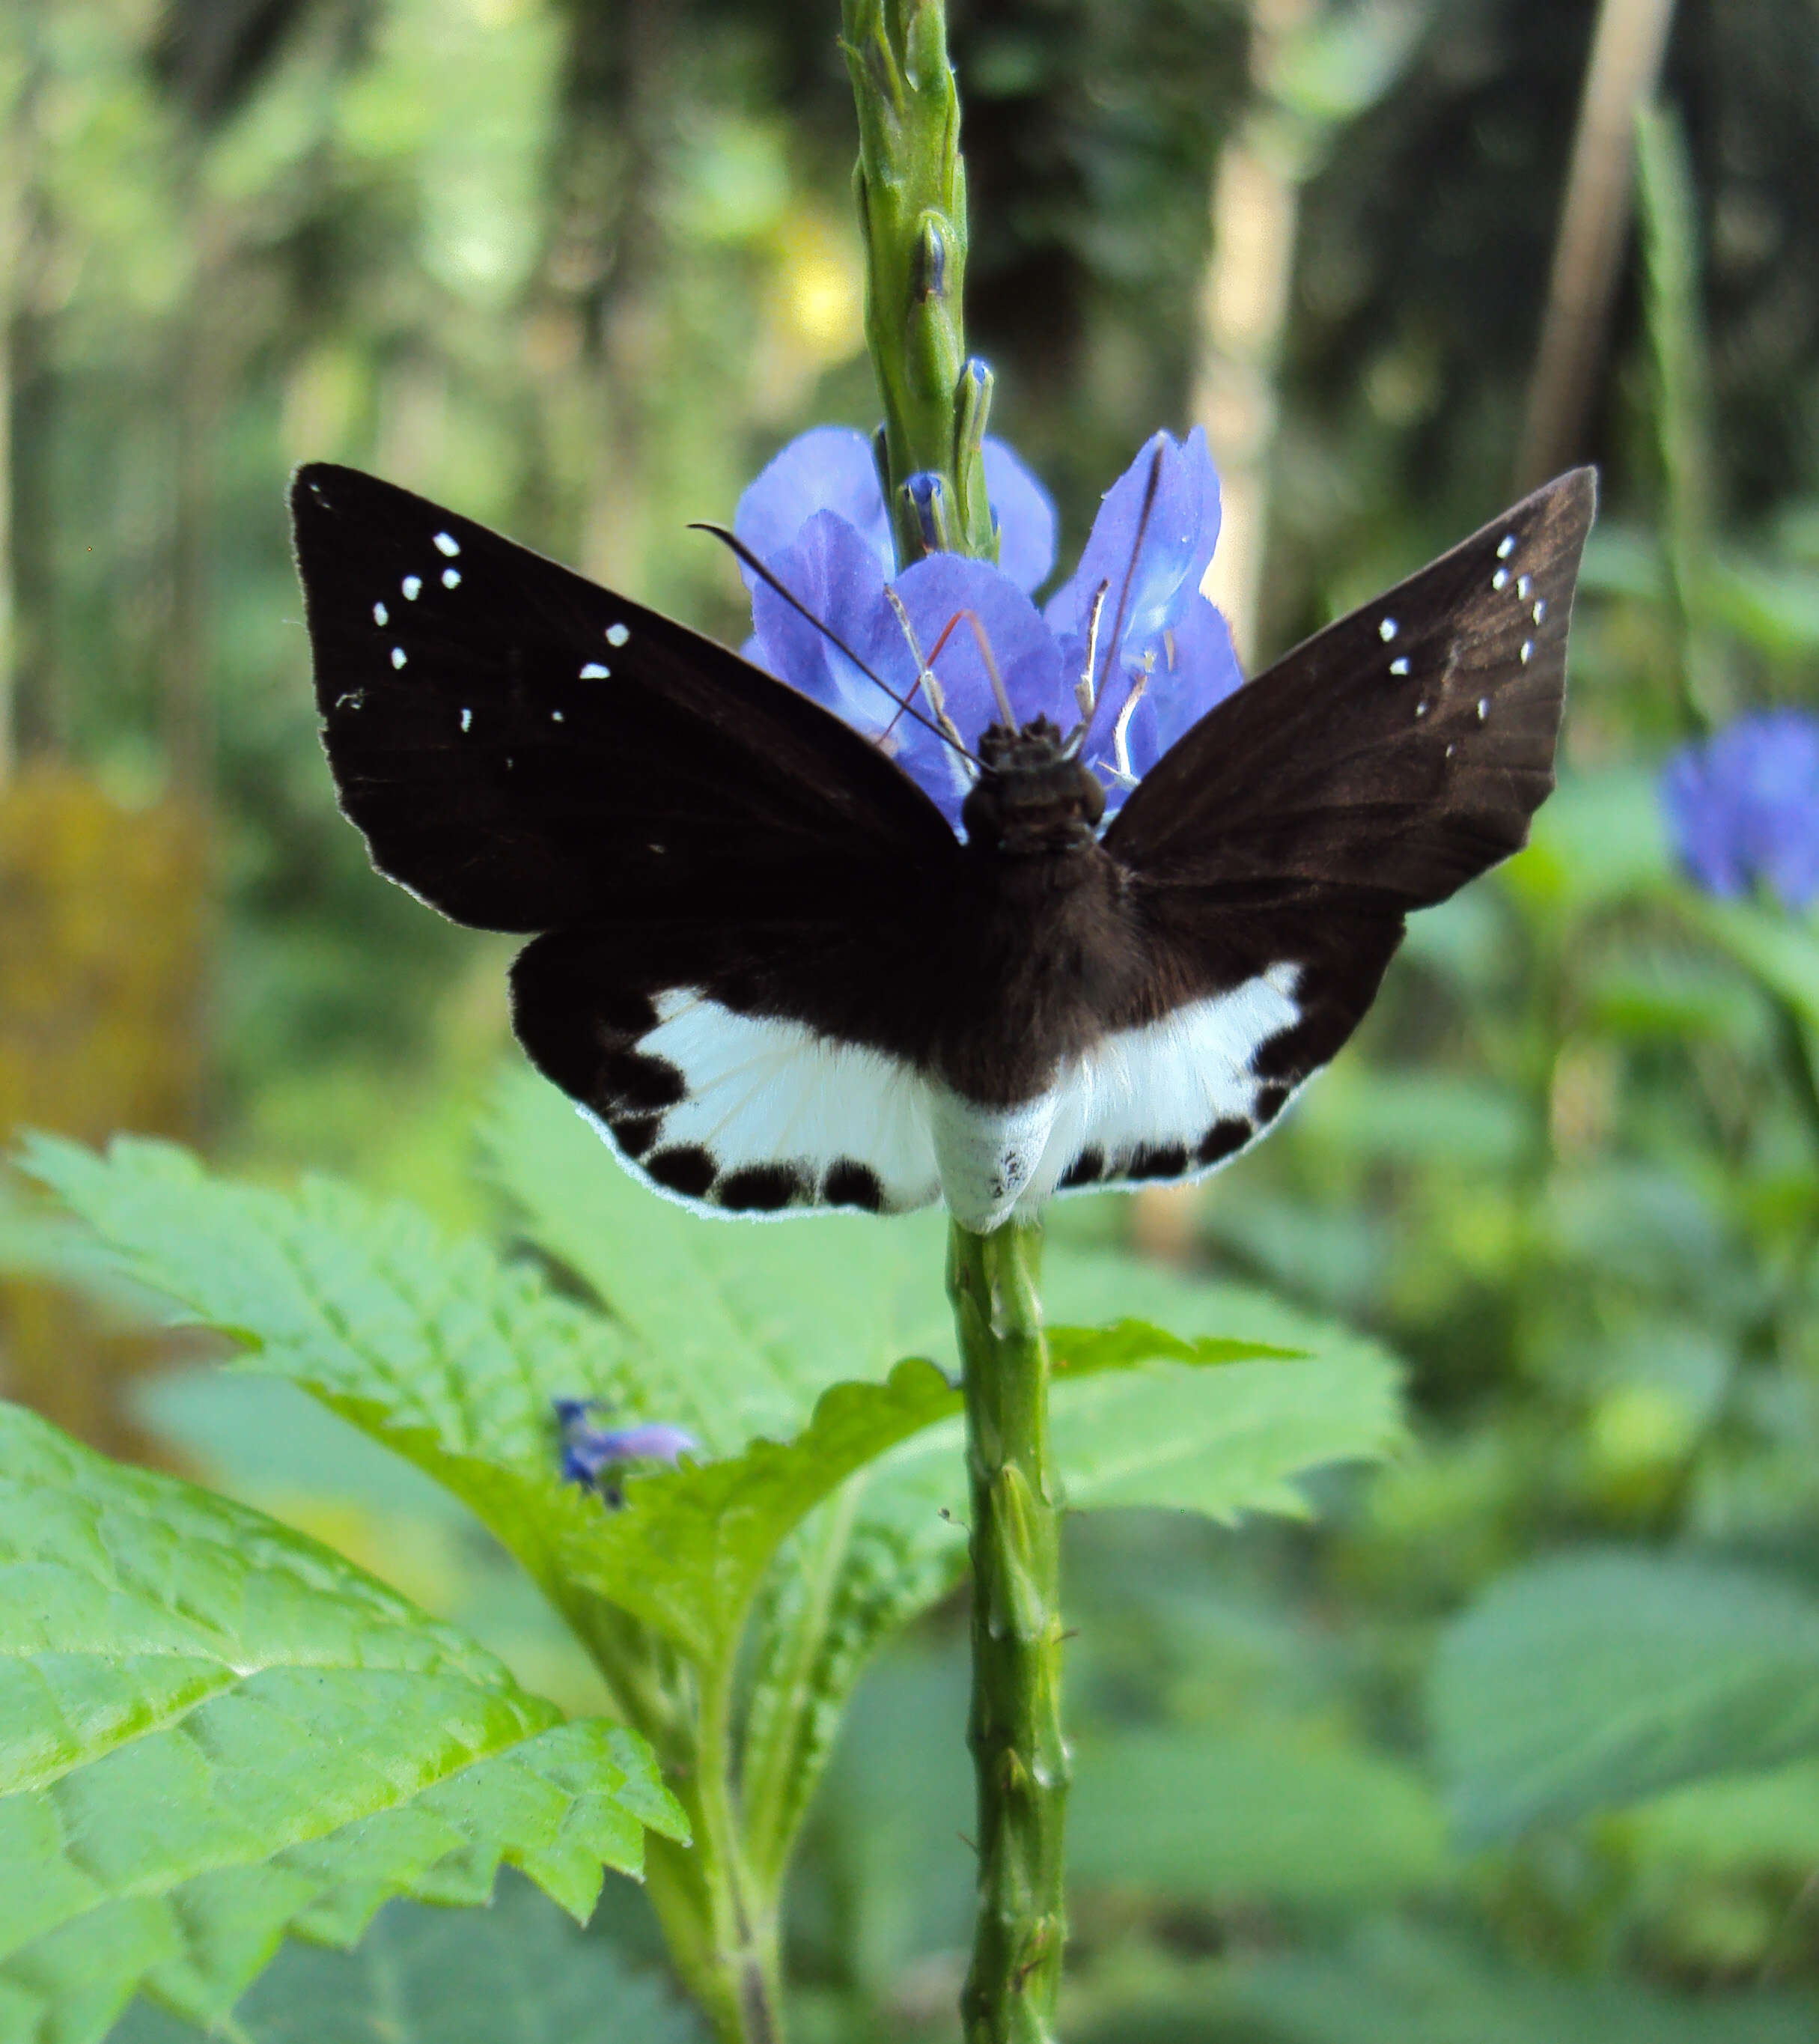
(1162, 656)
(1743, 806)
(591, 1453)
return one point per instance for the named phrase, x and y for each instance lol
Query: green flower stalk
(1014, 1727)
(912, 190)
(910, 186)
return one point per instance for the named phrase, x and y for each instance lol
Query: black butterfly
(776, 979)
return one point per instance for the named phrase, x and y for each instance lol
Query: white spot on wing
(1484, 708)
(381, 615)
(397, 656)
(555, 716)
(451, 578)
(1540, 610)
(1387, 630)
(616, 635)
(467, 720)
(1505, 546)
(1398, 667)
(1528, 651)
(594, 671)
(446, 544)
(1500, 578)
(1523, 585)
(412, 586)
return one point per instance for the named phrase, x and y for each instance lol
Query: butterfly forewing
(525, 750)
(1399, 751)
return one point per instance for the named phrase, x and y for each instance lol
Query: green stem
(910, 186)
(912, 190)
(721, 1932)
(718, 1915)
(1014, 1724)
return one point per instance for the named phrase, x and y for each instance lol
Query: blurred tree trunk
(1626, 52)
(1255, 204)
(15, 167)
(199, 373)
(34, 714)
(104, 909)
(604, 265)
(1244, 310)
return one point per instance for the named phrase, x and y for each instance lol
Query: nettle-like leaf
(1168, 1431)
(752, 1338)
(450, 1357)
(517, 1972)
(214, 1732)
(743, 1326)
(1595, 1679)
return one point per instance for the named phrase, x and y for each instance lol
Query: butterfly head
(1034, 796)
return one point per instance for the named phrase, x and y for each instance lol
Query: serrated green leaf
(743, 1326)
(452, 1359)
(1194, 1814)
(1595, 1679)
(213, 1731)
(516, 1973)
(688, 1551)
(444, 1354)
(1225, 1441)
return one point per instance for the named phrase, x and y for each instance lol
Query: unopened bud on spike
(972, 408)
(925, 495)
(931, 259)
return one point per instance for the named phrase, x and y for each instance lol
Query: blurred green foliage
(1509, 1746)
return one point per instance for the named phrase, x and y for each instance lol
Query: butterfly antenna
(1149, 490)
(1083, 688)
(970, 618)
(736, 545)
(925, 678)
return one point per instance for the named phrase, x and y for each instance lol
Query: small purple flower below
(591, 1455)
(1162, 656)
(1743, 807)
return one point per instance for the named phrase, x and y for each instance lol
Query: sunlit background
(578, 269)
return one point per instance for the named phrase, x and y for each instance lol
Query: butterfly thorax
(1032, 798)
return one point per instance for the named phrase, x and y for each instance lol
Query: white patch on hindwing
(765, 1096)
(1187, 1083)
(776, 1118)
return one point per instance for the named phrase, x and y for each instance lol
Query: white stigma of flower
(1085, 693)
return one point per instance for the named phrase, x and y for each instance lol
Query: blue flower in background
(1743, 806)
(817, 517)
(591, 1455)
